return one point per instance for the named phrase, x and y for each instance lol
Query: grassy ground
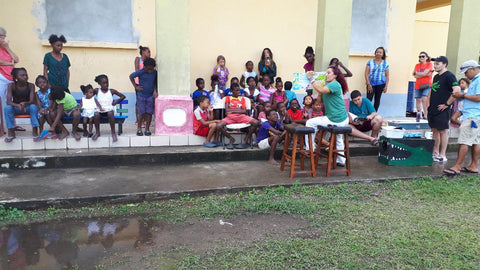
(419, 224)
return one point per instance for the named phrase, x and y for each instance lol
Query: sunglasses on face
(421, 56)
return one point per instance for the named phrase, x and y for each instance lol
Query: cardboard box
(405, 152)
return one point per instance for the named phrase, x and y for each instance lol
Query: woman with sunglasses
(423, 73)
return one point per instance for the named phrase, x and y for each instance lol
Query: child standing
(278, 96)
(146, 93)
(66, 105)
(310, 56)
(199, 92)
(270, 134)
(248, 73)
(43, 101)
(222, 72)
(216, 95)
(90, 107)
(144, 54)
(203, 123)
(266, 89)
(56, 65)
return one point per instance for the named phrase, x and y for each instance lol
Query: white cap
(468, 65)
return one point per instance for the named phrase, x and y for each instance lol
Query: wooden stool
(297, 133)
(333, 152)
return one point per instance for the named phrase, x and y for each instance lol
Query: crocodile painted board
(405, 152)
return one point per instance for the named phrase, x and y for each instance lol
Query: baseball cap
(467, 65)
(441, 58)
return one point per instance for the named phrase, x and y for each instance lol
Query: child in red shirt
(295, 113)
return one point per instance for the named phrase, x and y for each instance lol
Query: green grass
(419, 224)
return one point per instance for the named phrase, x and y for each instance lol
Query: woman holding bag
(423, 73)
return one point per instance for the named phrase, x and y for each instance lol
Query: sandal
(139, 133)
(148, 133)
(450, 172)
(9, 139)
(467, 170)
(54, 136)
(35, 138)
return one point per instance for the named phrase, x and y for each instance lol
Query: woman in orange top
(423, 72)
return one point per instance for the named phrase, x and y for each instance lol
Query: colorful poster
(301, 82)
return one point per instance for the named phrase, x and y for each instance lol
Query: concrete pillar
(463, 33)
(333, 32)
(173, 107)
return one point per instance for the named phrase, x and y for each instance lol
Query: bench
(119, 117)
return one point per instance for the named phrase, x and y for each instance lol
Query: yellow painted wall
(240, 30)
(17, 17)
(431, 33)
(400, 28)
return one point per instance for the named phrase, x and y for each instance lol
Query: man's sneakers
(439, 159)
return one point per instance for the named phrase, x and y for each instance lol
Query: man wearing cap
(470, 128)
(440, 102)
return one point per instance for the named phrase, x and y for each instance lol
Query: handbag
(424, 86)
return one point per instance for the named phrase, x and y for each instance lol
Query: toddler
(307, 105)
(43, 101)
(89, 107)
(222, 72)
(464, 83)
(316, 110)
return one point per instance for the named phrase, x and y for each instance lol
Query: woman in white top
(107, 103)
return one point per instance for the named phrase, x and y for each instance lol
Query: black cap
(441, 58)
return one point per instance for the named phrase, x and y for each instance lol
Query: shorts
(88, 113)
(366, 126)
(145, 105)
(419, 93)
(202, 131)
(69, 112)
(235, 118)
(263, 144)
(441, 120)
(468, 135)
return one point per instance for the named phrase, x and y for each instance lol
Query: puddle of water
(71, 243)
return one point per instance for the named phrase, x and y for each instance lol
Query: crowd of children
(270, 105)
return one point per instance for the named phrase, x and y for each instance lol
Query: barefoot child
(270, 134)
(146, 93)
(247, 74)
(43, 101)
(203, 123)
(66, 105)
(107, 104)
(90, 108)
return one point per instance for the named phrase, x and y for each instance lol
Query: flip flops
(230, 146)
(19, 128)
(42, 135)
(450, 172)
(9, 139)
(209, 145)
(467, 170)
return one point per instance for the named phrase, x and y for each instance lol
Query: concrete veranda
(35, 188)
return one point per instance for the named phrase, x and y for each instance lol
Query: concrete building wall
(237, 30)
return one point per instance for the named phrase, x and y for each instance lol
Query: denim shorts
(419, 93)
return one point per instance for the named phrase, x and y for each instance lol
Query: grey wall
(369, 25)
(90, 20)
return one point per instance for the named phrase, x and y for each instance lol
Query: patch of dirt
(201, 235)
